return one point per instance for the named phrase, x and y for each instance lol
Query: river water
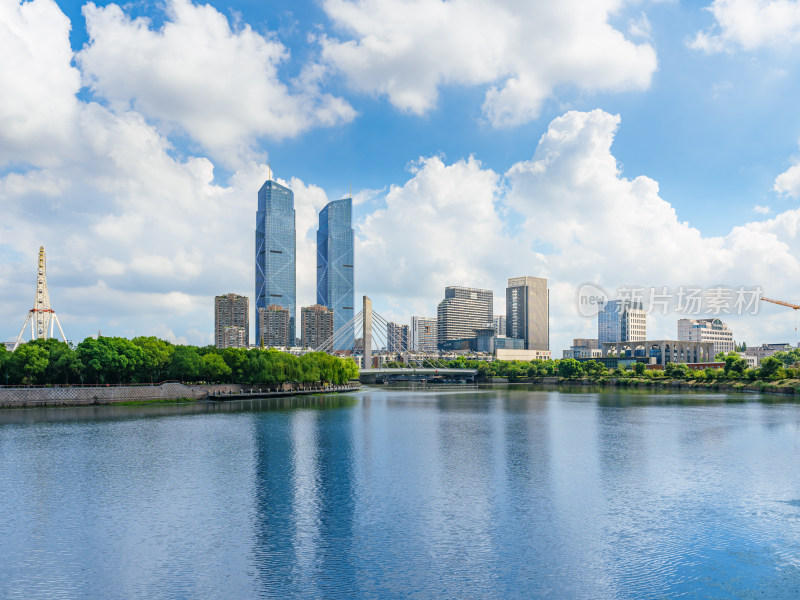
(406, 493)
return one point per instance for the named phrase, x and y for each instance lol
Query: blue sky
(482, 140)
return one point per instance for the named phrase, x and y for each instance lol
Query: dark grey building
(528, 312)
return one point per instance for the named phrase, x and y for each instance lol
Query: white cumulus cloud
(219, 84)
(407, 50)
(749, 25)
(37, 104)
(569, 215)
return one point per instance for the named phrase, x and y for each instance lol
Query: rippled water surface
(398, 493)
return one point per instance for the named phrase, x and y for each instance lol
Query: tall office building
(707, 330)
(423, 334)
(622, 321)
(335, 266)
(316, 324)
(231, 310)
(275, 251)
(397, 337)
(528, 312)
(273, 323)
(462, 311)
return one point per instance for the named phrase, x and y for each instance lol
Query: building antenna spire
(42, 317)
(269, 168)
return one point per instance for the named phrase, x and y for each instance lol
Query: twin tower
(276, 254)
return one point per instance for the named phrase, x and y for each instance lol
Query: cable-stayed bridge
(422, 366)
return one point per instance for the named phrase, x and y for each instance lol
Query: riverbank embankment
(784, 386)
(28, 397)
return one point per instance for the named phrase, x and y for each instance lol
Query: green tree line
(117, 360)
(783, 365)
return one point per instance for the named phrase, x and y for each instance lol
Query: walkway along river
(18, 397)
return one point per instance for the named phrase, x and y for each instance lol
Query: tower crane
(782, 303)
(794, 307)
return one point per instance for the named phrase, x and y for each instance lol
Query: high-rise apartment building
(462, 311)
(316, 324)
(528, 311)
(231, 310)
(273, 323)
(707, 330)
(335, 266)
(500, 325)
(622, 321)
(397, 337)
(423, 334)
(234, 337)
(276, 251)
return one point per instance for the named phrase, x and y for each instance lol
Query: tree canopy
(117, 360)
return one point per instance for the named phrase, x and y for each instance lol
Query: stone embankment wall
(11, 397)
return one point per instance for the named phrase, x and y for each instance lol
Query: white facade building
(706, 330)
(423, 334)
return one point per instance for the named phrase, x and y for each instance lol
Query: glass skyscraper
(335, 266)
(275, 252)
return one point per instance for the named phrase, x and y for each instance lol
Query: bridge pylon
(367, 333)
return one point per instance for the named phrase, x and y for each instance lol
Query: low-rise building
(661, 352)
(707, 330)
(584, 348)
(759, 353)
(525, 355)
(502, 342)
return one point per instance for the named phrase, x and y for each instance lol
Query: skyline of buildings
(464, 319)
